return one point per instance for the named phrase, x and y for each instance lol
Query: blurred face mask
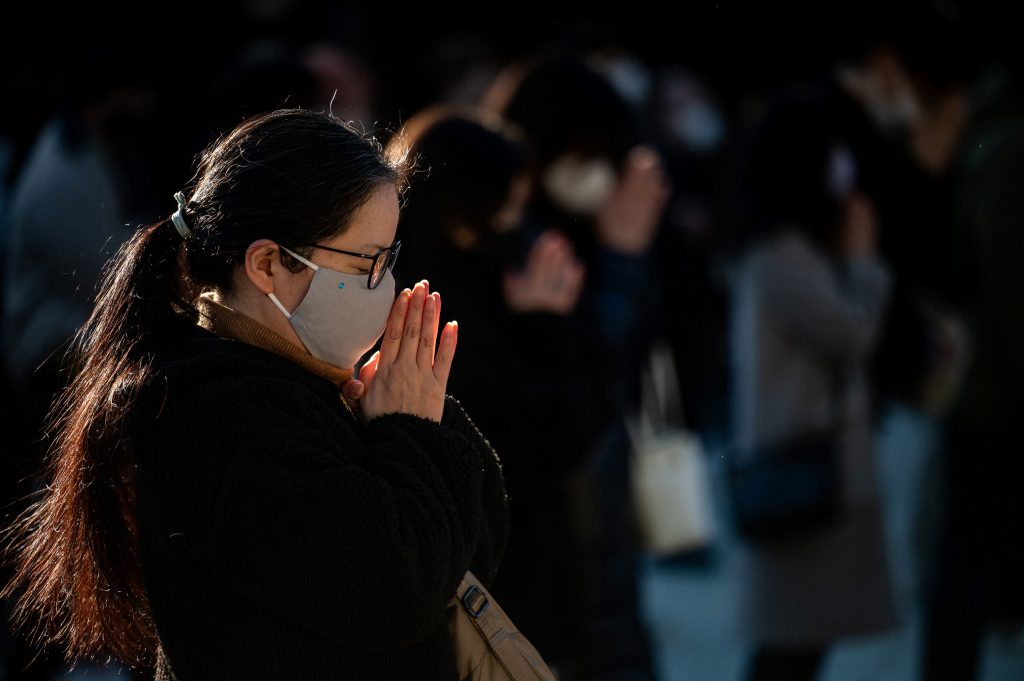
(580, 186)
(891, 111)
(341, 317)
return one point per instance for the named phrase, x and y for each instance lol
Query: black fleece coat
(282, 538)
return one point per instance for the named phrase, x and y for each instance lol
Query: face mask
(340, 318)
(580, 186)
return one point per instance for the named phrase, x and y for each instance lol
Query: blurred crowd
(817, 238)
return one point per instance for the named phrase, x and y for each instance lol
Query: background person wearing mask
(463, 229)
(593, 181)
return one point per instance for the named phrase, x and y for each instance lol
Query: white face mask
(580, 186)
(340, 317)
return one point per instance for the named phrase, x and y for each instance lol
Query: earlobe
(262, 260)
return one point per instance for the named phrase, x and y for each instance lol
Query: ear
(262, 263)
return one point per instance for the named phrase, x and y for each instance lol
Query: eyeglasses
(379, 265)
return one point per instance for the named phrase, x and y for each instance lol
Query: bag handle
(661, 402)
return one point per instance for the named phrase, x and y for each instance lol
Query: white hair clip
(179, 217)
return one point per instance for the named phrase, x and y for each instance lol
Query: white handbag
(671, 502)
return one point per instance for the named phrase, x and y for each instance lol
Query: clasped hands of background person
(405, 375)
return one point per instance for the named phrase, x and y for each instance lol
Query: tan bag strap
(494, 625)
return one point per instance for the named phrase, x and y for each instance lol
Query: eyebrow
(375, 246)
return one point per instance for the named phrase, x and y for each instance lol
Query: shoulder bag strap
(517, 656)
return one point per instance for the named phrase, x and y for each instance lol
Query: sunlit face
(373, 227)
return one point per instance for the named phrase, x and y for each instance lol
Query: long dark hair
(291, 175)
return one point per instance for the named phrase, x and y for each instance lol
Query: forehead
(373, 225)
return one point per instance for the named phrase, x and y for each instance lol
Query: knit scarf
(224, 321)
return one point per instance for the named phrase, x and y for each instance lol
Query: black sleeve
(490, 530)
(362, 543)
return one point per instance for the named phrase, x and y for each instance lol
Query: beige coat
(795, 318)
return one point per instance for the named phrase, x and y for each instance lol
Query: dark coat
(505, 361)
(281, 538)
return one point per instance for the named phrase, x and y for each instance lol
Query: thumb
(369, 368)
(353, 389)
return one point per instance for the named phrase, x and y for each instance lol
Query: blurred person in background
(808, 300)
(514, 288)
(691, 124)
(68, 211)
(593, 181)
(976, 577)
(946, 183)
(679, 109)
(902, 100)
(89, 173)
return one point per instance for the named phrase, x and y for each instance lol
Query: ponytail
(74, 555)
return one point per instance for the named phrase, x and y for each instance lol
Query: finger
(569, 294)
(353, 389)
(369, 369)
(548, 260)
(575, 277)
(392, 340)
(445, 353)
(536, 253)
(563, 274)
(561, 255)
(413, 324)
(428, 334)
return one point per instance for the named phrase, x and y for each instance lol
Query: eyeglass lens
(384, 262)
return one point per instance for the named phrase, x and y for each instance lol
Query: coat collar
(219, 319)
